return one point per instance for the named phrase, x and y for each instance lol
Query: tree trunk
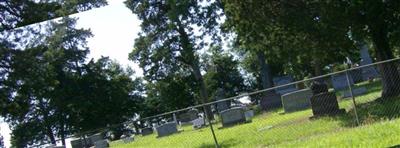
(50, 134)
(265, 72)
(388, 71)
(317, 68)
(62, 131)
(203, 90)
(188, 57)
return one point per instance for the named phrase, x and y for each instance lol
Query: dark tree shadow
(225, 143)
(371, 112)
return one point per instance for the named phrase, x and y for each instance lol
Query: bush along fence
(278, 116)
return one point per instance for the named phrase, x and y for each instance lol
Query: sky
(114, 28)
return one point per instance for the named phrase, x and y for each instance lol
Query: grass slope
(380, 128)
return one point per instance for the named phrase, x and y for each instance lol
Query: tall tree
(172, 33)
(49, 92)
(222, 71)
(357, 21)
(18, 13)
(272, 33)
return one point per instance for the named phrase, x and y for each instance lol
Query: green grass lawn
(380, 128)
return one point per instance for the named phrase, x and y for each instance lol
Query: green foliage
(222, 72)
(287, 34)
(49, 92)
(18, 13)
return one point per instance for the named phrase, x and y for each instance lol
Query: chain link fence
(289, 114)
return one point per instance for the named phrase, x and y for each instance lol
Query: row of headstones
(339, 82)
(169, 128)
(229, 117)
(96, 140)
(293, 99)
(322, 102)
(318, 97)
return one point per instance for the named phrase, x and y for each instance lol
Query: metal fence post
(352, 96)
(211, 127)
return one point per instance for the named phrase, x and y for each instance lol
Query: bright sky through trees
(114, 28)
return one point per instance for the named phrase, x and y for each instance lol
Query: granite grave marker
(167, 129)
(297, 100)
(232, 116)
(278, 81)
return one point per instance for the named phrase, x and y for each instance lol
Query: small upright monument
(323, 102)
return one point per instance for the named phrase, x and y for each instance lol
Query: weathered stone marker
(198, 123)
(146, 131)
(339, 82)
(278, 81)
(188, 116)
(101, 144)
(297, 100)
(93, 138)
(249, 114)
(322, 101)
(128, 139)
(232, 116)
(224, 105)
(77, 143)
(167, 129)
(270, 101)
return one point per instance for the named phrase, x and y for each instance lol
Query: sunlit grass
(379, 128)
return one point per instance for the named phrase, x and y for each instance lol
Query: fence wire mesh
(287, 115)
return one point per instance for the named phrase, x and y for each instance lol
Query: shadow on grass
(371, 112)
(224, 143)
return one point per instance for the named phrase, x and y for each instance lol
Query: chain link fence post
(211, 126)
(352, 96)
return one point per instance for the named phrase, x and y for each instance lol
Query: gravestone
(297, 100)
(356, 75)
(270, 101)
(188, 116)
(356, 92)
(128, 139)
(278, 81)
(198, 123)
(224, 105)
(323, 102)
(93, 138)
(146, 131)
(101, 144)
(167, 129)
(232, 116)
(370, 71)
(77, 143)
(339, 81)
(249, 114)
